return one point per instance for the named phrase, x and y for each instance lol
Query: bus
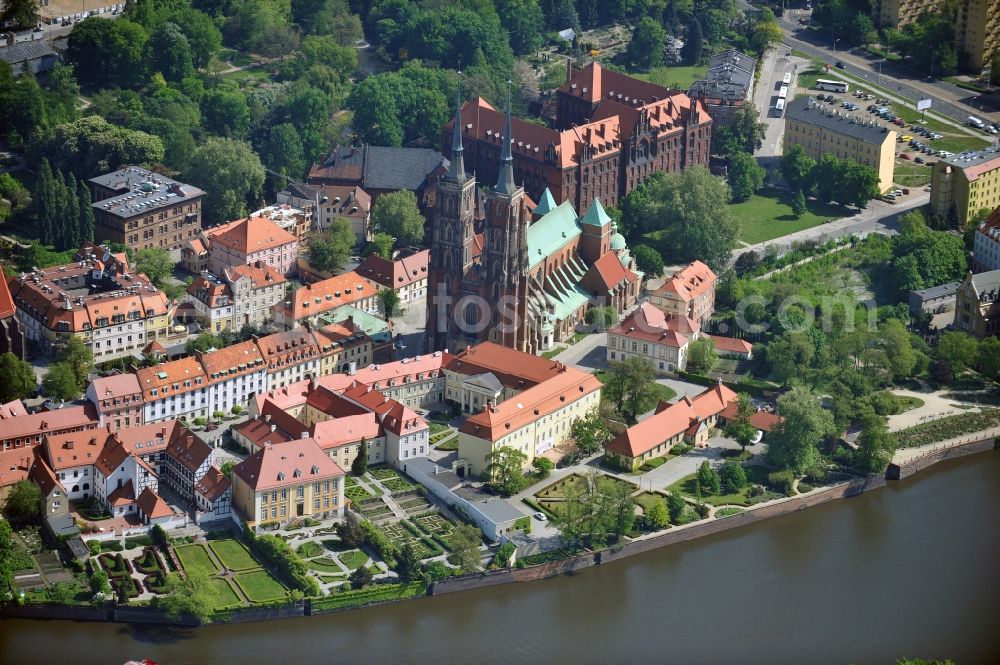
(787, 80)
(783, 93)
(831, 85)
(779, 108)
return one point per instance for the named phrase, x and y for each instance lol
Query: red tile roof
(329, 294)
(189, 450)
(530, 405)
(671, 420)
(213, 484)
(250, 235)
(688, 283)
(15, 464)
(731, 344)
(7, 308)
(259, 273)
(284, 464)
(167, 374)
(116, 386)
(65, 419)
(232, 361)
(65, 451)
(611, 272)
(647, 323)
(398, 273)
(514, 368)
(123, 496)
(765, 421)
(43, 476)
(151, 505)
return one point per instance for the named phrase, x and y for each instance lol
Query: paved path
(907, 454)
(935, 406)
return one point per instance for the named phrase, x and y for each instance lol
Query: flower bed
(373, 594)
(125, 586)
(115, 565)
(149, 562)
(947, 428)
(156, 583)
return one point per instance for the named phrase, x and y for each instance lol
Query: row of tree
(830, 178)
(62, 204)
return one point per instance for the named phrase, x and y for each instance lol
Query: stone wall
(907, 469)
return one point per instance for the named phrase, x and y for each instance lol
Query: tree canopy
(232, 175)
(397, 214)
(19, 380)
(745, 176)
(794, 443)
(329, 250)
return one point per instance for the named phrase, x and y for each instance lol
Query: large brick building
(612, 132)
(142, 209)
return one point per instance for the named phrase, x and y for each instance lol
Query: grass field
(645, 500)
(664, 393)
(309, 550)
(324, 565)
(769, 215)
(673, 77)
(222, 594)
(233, 555)
(686, 486)
(353, 559)
(260, 587)
(196, 561)
(911, 175)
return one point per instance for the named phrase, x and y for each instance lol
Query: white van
(974, 122)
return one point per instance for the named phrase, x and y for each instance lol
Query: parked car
(839, 65)
(540, 516)
(889, 199)
(830, 99)
(906, 191)
(897, 192)
(905, 155)
(918, 160)
(905, 137)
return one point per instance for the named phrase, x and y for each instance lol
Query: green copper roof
(372, 325)
(617, 240)
(595, 215)
(551, 232)
(546, 204)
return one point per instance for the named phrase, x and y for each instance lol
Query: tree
(398, 215)
(227, 468)
(60, 382)
(708, 478)
(155, 263)
(505, 470)
(797, 168)
(523, 21)
(648, 260)
(630, 386)
(732, 477)
(92, 146)
(360, 464)
(657, 516)
(191, 596)
(25, 12)
(80, 359)
(645, 51)
(408, 106)
(204, 38)
(859, 183)
(766, 32)
(464, 543)
(799, 204)
(284, 152)
(896, 343)
(989, 358)
(408, 563)
(690, 210)
(739, 428)
(543, 466)
(232, 175)
(960, 350)
(601, 317)
(24, 501)
(676, 506)
(794, 442)
(205, 342)
(25, 109)
(18, 378)
(361, 577)
(170, 53)
(745, 176)
(329, 250)
(590, 433)
(695, 45)
(745, 134)
(702, 355)
(875, 445)
(224, 111)
(99, 582)
(86, 212)
(108, 53)
(350, 531)
(388, 303)
(381, 244)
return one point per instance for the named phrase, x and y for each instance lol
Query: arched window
(86, 486)
(76, 488)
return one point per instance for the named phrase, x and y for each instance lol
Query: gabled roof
(151, 505)
(15, 464)
(552, 231)
(7, 308)
(731, 344)
(16, 423)
(115, 386)
(233, 361)
(379, 167)
(166, 374)
(650, 324)
(43, 476)
(190, 451)
(65, 451)
(671, 420)
(250, 235)
(610, 272)
(515, 369)
(528, 406)
(284, 464)
(123, 496)
(112, 456)
(396, 274)
(213, 484)
(688, 283)
(329, 294)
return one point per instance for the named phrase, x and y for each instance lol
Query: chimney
(274, 428)
(305, 435)
(267, 418)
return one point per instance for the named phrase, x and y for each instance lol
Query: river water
(909, 570)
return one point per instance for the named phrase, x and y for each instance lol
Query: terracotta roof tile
(689, 282)
(213, 484)
(251, 235)
(15, 464)
(151, 505)
(398, 273)
(329, 294)
(285, 464)
(124, 495)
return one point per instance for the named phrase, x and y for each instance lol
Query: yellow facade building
(964, 184)
(821, 130)
(977, 28)
(286, 481)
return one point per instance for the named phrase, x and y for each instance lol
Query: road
(878, 217)
(945, 96)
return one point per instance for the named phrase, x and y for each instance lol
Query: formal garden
(230, 574)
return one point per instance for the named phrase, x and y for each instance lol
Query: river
(909, 570)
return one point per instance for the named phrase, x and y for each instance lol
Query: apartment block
(964, 184)
(986, 246)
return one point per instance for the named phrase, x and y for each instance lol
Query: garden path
(225, 573)
(935, 406)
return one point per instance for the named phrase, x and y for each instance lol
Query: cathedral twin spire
(456, 170)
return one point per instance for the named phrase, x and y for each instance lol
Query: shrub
(158, 535)
(279, 554)
(138, 541)
(437, 570)
(379, 542)
(702, 509)
(781, 481)
(804, 487)
(111, 546)
(94, 547)
(885, 403)
(816, 475)
(543, 466)
(732, 476)
(755, 490)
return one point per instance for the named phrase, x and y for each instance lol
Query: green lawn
(327, 579)
(324, 565)
(558, 489)
(353, 559)
(727, 511)
(310, 549)
(196, 561)
(222, 593)
(645, 500)
(911, 175)
(260, 587)
(664, 393)
(686, 486)
(769, 215)
(233, 555)
(674, 77)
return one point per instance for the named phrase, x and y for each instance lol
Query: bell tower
(451, 241)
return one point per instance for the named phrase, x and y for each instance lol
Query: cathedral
(511, 271)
